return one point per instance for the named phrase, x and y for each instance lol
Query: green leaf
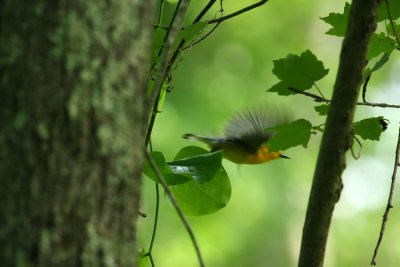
(201, 168)
(158, 42)
(394, 10)
(281, 88)
(338, 21)
(169, 175)
(370, 128)
(193, 30)
(202, 198)
(389, 29)
(290, 135)
(322, 109)
(379, 64)
(378, 44)
(299, 71)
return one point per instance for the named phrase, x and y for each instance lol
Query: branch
(234, 14)
(204, 11)
(337, 138)
(202, 38)
(176, 205)
(153, 235)
(318, 98)
(169, 40)
(389, 203)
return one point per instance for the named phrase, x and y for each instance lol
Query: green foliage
(192, 31)
(290, 135)
(158, 43)
(281, 89)
(394, 10)
(299, 71)
(199, 182)
(200, 167)
(197, 198)
(379, 64)
(322, 109)
(369, 129)
(338, 21)
(383, 42)
(380, 43)
(199, 163)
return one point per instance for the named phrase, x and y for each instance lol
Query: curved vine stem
(176, 206)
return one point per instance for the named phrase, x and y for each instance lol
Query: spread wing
(248, 129)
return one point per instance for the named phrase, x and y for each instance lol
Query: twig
(391, 22)
(234, 14)
(169, 39)
(319, 91)
(153, 235)
(204, 11)
(364, 90)
(176, 205)
(167, 27)
(321, 99)
(202, 38)
(352, 150)
(207, 34)
(389, 203)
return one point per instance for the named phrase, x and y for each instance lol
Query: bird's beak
(283, 156)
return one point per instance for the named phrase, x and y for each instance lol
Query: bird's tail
(211, 141)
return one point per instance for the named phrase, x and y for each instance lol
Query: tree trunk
(338, 135)
(72, 125)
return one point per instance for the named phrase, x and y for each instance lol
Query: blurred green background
(262, 224)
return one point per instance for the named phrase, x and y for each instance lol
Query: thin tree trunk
(72, 124)
(337, 138)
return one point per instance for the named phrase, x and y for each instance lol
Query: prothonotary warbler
(245, 139)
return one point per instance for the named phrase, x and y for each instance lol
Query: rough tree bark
(337, 137)
(72, 125)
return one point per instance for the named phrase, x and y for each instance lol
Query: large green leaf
(394, 10)
(290, 135)
(200, 168)
(169, 175)
(370, 128)
(338, 21)
(378, 44)
(197, 198)
(299, 71)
